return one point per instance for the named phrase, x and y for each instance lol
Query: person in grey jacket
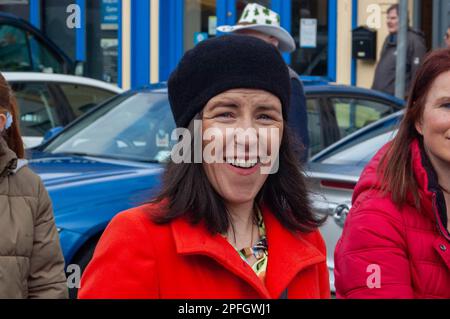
(385, 72)
(31, 261)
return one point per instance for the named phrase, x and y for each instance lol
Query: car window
(14, 53)
(37, 108)
(362, 146)
(83, 98)
(43, 59)
(353, 114)
(137, 127)
(360, 154)
(314, 126)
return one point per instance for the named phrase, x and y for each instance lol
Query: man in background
(386, 69)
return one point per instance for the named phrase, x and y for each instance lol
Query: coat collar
(8, 159)
(288, 253)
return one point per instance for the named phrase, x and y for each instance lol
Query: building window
(20, 8)
(310, 31)
(200, 21)
(55, 25)
(102, 21)
(102, 25)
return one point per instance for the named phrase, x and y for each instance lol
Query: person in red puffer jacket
(396, 240)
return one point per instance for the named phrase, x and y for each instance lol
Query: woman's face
(434, 125)
(240, 175)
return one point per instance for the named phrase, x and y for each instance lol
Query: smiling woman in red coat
(396, 240)
(236, 224)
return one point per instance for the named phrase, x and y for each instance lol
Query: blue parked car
(111, 159)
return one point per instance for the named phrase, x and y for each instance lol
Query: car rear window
(359, 153)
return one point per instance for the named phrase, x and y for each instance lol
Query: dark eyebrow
(268, 108)
(224, 104)
(445, 99)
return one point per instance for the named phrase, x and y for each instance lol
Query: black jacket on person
(384, 80)
(298, 115)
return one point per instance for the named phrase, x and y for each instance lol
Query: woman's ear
(274, 41)
(419, 125)
(2, 122)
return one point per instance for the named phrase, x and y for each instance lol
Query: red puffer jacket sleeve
(370, 258)
(123, 265)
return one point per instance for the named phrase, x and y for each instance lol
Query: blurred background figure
(384, 79)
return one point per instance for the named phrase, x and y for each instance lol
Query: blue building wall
(171, 23)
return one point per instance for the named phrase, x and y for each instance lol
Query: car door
(322, 126)
(39, 110)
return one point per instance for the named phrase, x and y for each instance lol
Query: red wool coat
(136, 259)
(411, 247)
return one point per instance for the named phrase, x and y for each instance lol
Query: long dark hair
(395, 167)
(8, 104)
(186, 191)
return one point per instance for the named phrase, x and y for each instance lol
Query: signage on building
(110, 59)
(308, 33)
(110, 14)
(212, 25)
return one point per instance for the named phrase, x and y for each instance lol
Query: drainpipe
(402, 45)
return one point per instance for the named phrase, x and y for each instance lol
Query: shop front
(85, 30)
(118, 41)
(137, 42)
(312, 23)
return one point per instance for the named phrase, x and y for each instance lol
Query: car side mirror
(340, 214)
(52, 133)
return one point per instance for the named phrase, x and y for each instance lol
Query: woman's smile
(243, 167)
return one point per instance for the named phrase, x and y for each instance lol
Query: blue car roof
(347, 89)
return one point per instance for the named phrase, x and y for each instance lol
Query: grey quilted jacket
(31, 261)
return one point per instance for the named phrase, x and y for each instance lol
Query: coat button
(443, 247)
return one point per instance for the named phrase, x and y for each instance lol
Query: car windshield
(362, 148)
(131, 127)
